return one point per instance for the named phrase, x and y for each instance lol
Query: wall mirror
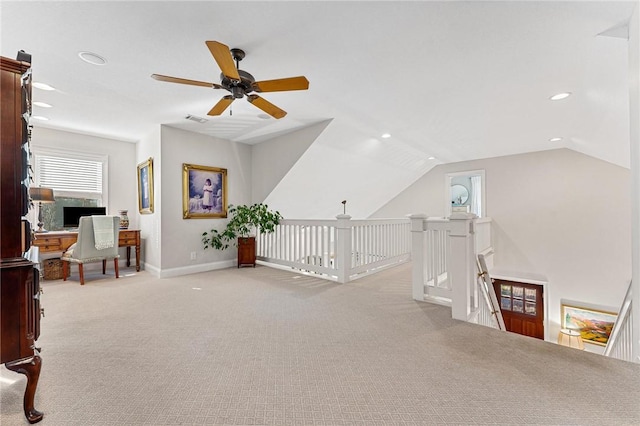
(466, 189)
(459, 194)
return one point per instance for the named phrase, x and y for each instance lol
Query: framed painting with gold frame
(204, 192)
(145, 186)
(594, 325)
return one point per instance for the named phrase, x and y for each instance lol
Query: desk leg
(138, 257)
(128, 256)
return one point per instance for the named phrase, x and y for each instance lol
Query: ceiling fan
(240, 83)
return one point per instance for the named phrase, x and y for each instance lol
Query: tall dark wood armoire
(19, 285)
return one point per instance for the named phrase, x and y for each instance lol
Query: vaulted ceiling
(449, 81)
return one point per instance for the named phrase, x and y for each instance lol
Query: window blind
(70, 174)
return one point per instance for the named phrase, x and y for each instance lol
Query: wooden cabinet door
(522, 307)
(19, 310)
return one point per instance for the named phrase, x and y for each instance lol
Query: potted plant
(243, 224)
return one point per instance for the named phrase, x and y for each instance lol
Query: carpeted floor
(265, 346)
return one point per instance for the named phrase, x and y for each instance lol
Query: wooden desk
(61, 240)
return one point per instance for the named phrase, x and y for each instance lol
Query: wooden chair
(85, 251)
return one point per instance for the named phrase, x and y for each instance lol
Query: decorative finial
(344, 206)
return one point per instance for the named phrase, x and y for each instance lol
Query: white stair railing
(437, 285)
(444, 265)
(339, 249)
(378, 242)
(620, 343)
(488, 312)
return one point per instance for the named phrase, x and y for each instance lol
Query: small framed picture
(204, 192)
(145, 187)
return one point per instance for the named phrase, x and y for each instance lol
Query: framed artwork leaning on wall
(145, 186)
(204, 192)
(594, 325)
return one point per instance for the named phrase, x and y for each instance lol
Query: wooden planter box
(247, 251)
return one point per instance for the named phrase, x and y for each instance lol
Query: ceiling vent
(196, 119)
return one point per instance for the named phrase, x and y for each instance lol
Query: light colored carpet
(266, 346)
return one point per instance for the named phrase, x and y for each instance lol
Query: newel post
(343, 250)
(417, 255)
(461, 264)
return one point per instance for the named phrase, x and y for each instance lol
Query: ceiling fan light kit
(240, 83)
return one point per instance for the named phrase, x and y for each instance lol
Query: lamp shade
(41, 195)
(570, 338)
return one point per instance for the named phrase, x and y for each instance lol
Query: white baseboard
(193, 269)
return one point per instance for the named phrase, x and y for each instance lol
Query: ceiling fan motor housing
(238, 88)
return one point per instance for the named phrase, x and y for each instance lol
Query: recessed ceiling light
(264, 116)
(560, 96)
(386, 135)
(431, 158)
(92, 58)
(42, 86)
(555, 139)
(42, 104)
(39, 117)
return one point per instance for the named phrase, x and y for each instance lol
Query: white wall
(634, 111)
(558, 213)
(180, 237)
(272, 159)
(346, 162)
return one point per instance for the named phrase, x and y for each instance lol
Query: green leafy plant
(244, 220)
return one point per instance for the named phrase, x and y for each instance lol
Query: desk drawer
(123, 242)
(50, 244)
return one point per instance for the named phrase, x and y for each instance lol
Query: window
(77, 179)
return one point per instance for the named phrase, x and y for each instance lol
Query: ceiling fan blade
(282, 84)
(222, 55)
(185, 81)
(221, 105)
(266, 106)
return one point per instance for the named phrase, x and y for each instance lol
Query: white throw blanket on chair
(103, 231)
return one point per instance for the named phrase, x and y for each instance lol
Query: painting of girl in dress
(204, 192)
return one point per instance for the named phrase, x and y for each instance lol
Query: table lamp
(570, 338)
(41, 195)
